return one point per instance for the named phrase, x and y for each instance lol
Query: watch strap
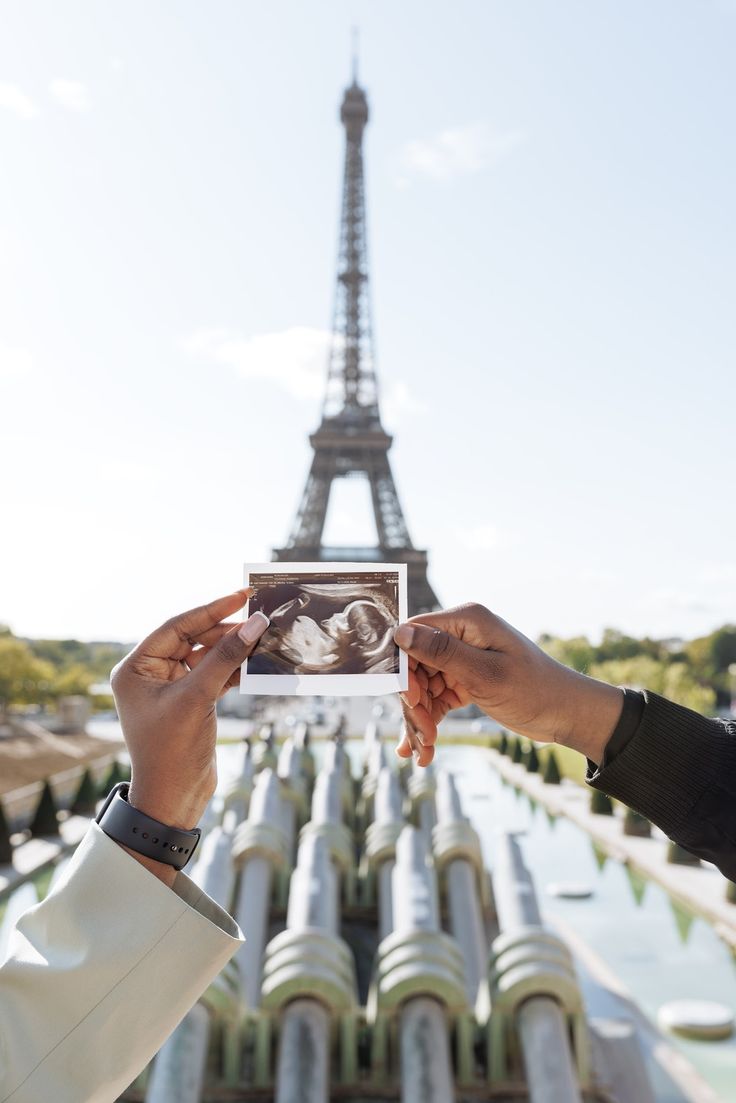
(139, 832)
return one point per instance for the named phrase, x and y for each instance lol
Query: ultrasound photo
(331, 629)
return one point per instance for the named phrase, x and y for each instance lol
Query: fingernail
(405, 700)
(254, 627)
(403, 636)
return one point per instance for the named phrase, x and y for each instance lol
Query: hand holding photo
(331, 629)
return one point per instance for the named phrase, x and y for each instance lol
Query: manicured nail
(406, 701)
(254, 627)
(403, 636)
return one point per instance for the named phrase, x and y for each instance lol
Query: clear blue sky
(552, 244)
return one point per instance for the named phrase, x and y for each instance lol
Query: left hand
(166, 691)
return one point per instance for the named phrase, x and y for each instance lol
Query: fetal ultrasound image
(326, 623)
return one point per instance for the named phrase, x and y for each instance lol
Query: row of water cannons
(302, 857)
(525, 753)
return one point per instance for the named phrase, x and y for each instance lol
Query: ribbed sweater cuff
(665, 768)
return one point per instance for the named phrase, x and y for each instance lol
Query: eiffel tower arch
(351, 441)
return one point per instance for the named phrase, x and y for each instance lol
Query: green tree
(710, 657)
(680, 686)
(24, 679)
(577, 652)
(616, 645)
(723, 648)
(673, 680)
(74, 679)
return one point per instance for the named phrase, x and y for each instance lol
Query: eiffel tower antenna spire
(355, 37)
(351, 440)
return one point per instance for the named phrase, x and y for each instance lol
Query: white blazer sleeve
(100, 973)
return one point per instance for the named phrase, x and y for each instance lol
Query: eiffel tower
(350, 441)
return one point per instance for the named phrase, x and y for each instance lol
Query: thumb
(218, 666)
(439, 650)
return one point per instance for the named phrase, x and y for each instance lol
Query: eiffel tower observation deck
(351, 441)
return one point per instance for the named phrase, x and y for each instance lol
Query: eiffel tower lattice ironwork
(351, 440)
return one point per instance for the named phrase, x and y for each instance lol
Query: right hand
(166, 691)
(469, 655)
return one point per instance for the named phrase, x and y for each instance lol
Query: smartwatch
(134, 829)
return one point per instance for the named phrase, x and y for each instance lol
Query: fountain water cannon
(302, 738)
(455, 839)
(260, 849)
(294, 806)
(421, 788)
(264, 754)
(238, 794)
(309, 986)
(337, 758)
(262, 833)
(293, 786)
(537, 1005)
(419, 984)
(179, 1067)
(379, 852)
(374, 763)
(340, 733)
(371, 736)
(459, 864)
(326, 823)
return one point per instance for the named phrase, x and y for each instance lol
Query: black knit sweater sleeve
(679, 770)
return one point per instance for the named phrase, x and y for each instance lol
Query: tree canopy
(39, 671)
(693, 673)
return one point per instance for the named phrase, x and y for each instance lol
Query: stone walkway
(700, 888)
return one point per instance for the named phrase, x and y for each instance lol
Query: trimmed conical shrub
(601, 858)
(503, 744)
(531, 760)
(517, 753)
(637, 883)
(45, 820)
(6, 850)
(112, 778)
(601, 804)
(636, 824)
(678, 856)
(551, 774)
(684, 920)
(85, 800)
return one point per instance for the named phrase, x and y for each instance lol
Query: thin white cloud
(126, 471)
(459, 151)
(14, 361)
(397, 399)
(480, 538)
(669, 598)
(71, 94)
(13, 98)
(293, 359)
(718, 574)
